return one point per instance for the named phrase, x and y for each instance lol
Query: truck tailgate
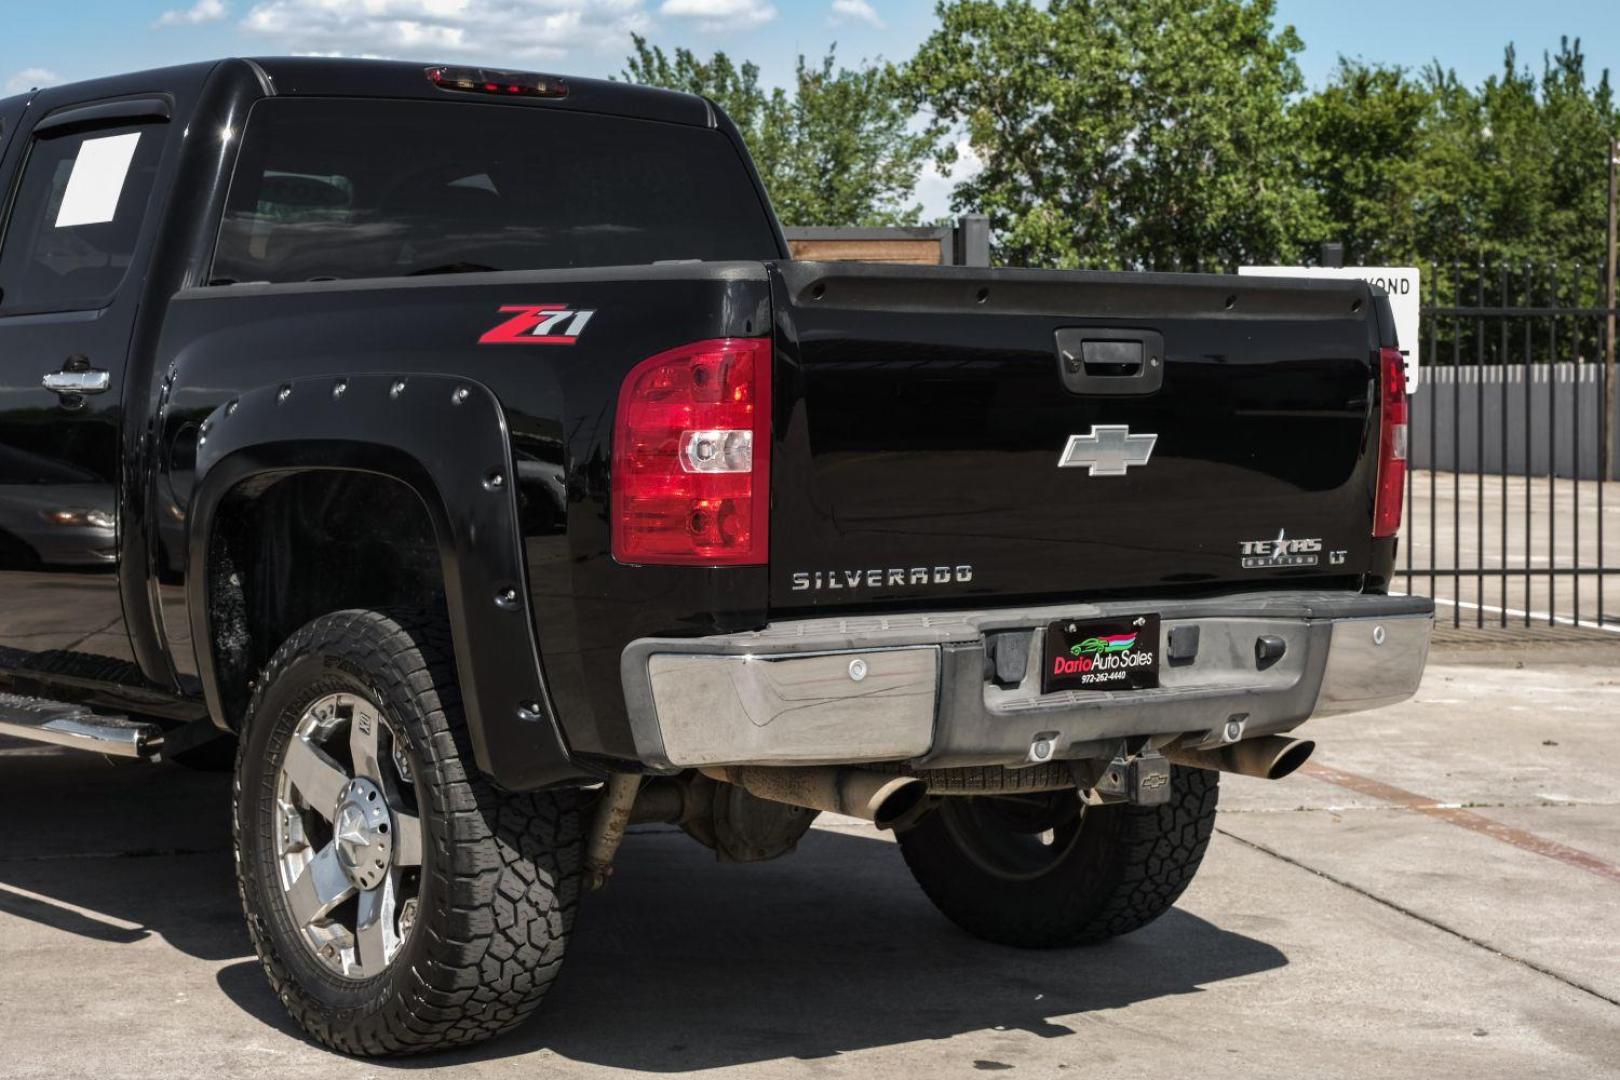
(1214, 432)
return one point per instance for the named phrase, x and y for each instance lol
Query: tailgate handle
(1105, 361)
(1112, 359)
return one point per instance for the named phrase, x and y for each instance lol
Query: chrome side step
(58, 723)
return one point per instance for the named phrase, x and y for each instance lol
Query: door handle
(90, 381)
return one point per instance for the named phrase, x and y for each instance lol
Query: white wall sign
(97, 180)
(1401, 282)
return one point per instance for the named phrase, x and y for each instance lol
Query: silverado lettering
(893, 578)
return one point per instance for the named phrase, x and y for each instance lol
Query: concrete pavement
(1351, 922)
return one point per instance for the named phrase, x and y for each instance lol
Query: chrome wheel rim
(348, 836)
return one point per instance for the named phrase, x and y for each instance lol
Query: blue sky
(590, 37)
(46, 43)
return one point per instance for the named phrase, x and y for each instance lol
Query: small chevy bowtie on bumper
(965, 688)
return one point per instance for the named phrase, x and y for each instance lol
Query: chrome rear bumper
(964, 688)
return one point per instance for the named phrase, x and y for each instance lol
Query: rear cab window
(76, 217)
(337, 189)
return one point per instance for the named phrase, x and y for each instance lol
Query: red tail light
(1391, 444)
(692, 456)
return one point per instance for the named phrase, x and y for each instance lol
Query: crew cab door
(79, 175)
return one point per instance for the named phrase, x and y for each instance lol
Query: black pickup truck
(458, 455)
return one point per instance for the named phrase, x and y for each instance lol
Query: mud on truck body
(458, 456)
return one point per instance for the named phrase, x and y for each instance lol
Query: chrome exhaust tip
(1269, 757)
(1288, 757)
(881, 798)
(900, 803)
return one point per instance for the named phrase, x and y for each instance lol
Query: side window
(76, 217)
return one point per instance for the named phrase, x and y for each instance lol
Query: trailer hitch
(1141, 778)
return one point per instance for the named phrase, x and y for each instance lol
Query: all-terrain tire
(499, 872)
(1121, 868)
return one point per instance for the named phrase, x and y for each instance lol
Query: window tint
(348, 189)
(77, 217)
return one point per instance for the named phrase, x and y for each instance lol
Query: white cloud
(28, 78)
(201, 12)
(934, 185)
(719, 15)
(431, 29)
(854, 11)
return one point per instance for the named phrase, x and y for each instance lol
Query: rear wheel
(1041, 871)
(397, 901)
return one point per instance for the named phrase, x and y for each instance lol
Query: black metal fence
(1513, 451)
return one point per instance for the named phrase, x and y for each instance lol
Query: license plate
(1102, 654)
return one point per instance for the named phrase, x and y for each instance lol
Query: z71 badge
(538, 324)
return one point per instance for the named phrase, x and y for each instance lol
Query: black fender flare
(445, 438)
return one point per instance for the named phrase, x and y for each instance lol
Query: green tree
(1421, 168)
(841, 149)
(1123, 133)
(1363, 133)
(1544, 148)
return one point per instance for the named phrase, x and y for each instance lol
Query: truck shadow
(683, 964)
(680, 964)
(118, 852)
(834, 949)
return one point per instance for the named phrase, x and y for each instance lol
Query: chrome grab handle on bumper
(92, 381)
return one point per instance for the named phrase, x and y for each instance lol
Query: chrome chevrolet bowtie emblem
(1109, 450)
